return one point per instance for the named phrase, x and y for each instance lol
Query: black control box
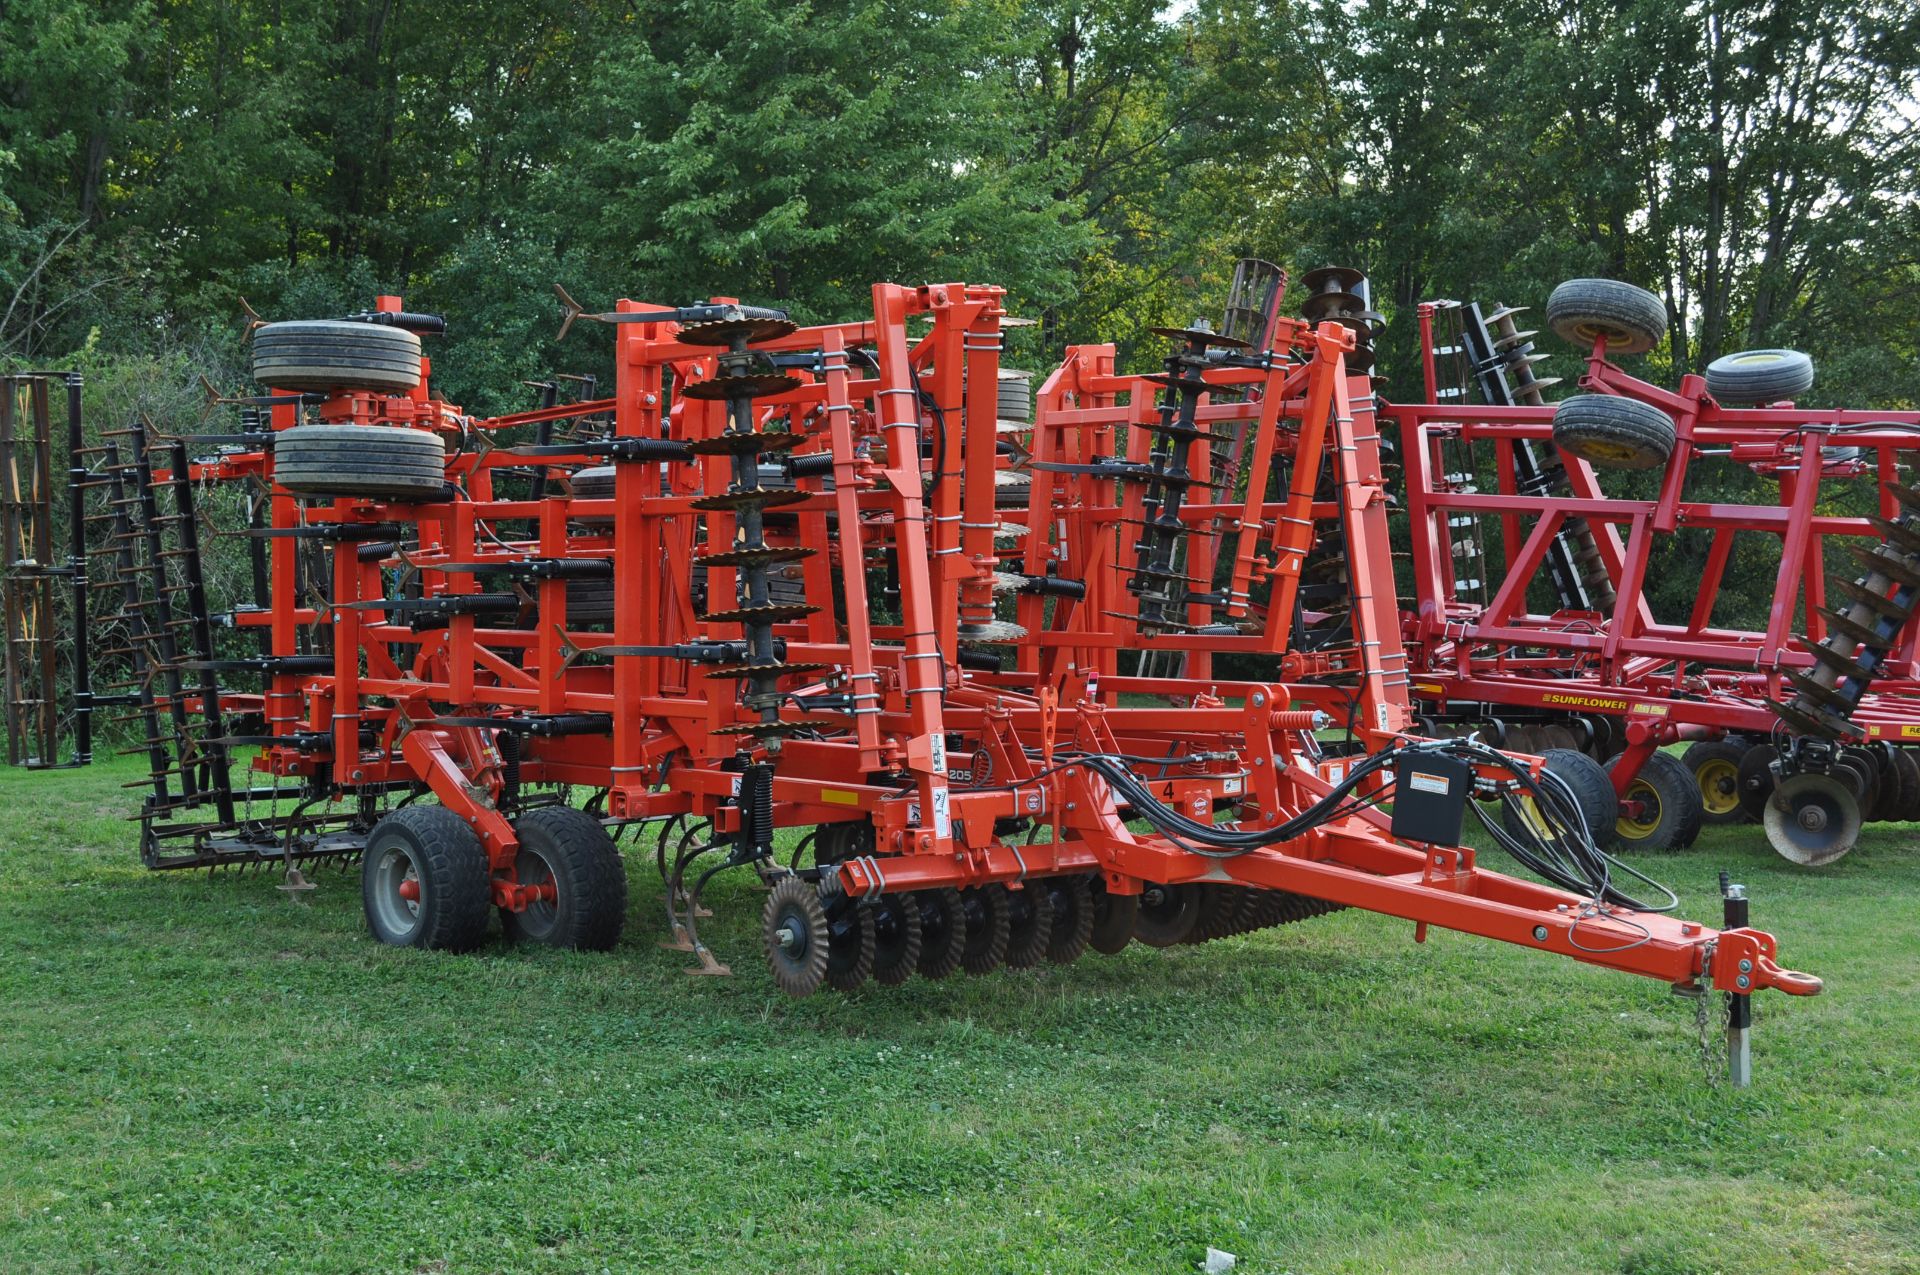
(1430, 795)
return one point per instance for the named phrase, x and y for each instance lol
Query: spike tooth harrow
(973, 724)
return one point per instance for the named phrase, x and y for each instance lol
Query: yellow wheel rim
(1719, 781)
(1597, 450)
(1649, 821)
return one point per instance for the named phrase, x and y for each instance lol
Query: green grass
(201, 1074)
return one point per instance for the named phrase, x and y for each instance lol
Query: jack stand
(1739, 1006)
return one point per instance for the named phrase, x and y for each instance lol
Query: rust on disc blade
(756, 557)
(735, 672)
(743, 442)
(777, 613)
(725, 331)
(763, 385)
(765, 497)
(1202, 336)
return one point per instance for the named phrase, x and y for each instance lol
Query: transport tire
(430, 854)
(595, 483)
(1072, 918)
(896, 938)
(1113, 917)
(589, 602)
(324, 355)
(1015, 398)
(987, 928)
(1592, 790)
(1715, 766)
(1670, 815)
(1753, 377)
(386, 461)
(1612, 432)
(570, 849)
(1632, 320)
(1166, 915)
(1029, 926)
(943, 931)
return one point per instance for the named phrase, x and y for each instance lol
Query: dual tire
(425, 881)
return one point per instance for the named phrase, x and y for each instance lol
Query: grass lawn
(200, 1074)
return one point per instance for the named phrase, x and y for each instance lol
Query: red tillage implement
(1533, 619)
(831, 580)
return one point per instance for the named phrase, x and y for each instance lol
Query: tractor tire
(324, 355)
(1614, 433)
(384, 461)
(1671, 816)
(1715, 767)
(433, 850)
(1632, 320)
(1753, 377)
(571, 849)
(1591, 789)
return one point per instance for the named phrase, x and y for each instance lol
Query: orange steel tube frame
(1246, 742)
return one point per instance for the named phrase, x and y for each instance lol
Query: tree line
(1105, 160)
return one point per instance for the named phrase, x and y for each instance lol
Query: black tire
(1756, 780)
(1072, 918)
(896, 938)
(1631, 319)
(986, 934)
(1611, 432)
(572, 849)
(441, 856)
(360, 460)
(1113, 917)
(1592, 790)
(1029, 925)
(1715, 767)
(323, 355)
(595, 483)
(943, 931)
(1671, 806)
(1759, 376)
(589, 602)
(1166, 915)
(1015, 400)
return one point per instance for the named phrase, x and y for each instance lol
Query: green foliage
(1757, 166)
